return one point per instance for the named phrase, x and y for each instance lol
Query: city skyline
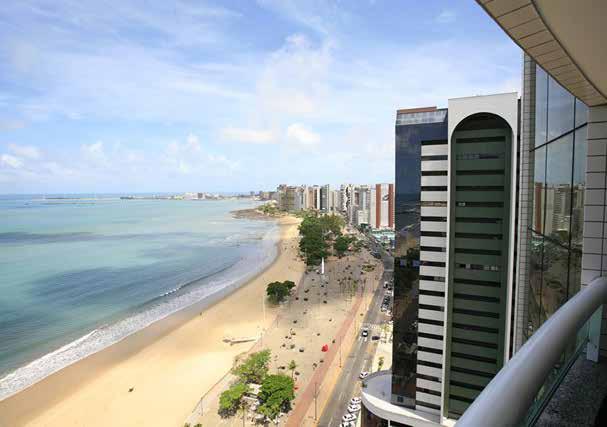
(155, 98)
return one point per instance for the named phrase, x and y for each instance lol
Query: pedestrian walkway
(306, 399)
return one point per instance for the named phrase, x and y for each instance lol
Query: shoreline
(79, 390)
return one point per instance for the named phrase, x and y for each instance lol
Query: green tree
(255, 368)
(380, 363)
(278, 291)
(341, 245)
(332, 223)
(292, 366)
(276, 394)
(315, 231)
(231, 399)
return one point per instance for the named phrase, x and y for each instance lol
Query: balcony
(376, 398)
(537, 386)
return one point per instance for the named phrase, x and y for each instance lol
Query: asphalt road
(360, 358)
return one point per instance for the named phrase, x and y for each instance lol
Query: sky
(173, 96)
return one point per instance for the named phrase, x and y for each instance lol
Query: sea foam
(170, 302)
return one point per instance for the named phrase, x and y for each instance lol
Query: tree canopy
(255, 368)
(276, 394)
(278, 291)
(314, 231)
(341, 245)
(231, 399)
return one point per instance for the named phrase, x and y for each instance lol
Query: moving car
(364, 332)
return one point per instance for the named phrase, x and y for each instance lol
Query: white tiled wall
(594, 259)
(525, 200)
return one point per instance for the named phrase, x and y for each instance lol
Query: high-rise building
(455, 180)
(324, 198)
(334, 201)
(381, 206)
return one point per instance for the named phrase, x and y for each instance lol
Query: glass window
(559, 163)
(538, 190)
(541, 105)
(554, 280)
(536, 247)
(575, 273)
(560, 110)
(581, 113)
(577, 190)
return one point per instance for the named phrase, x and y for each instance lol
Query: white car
(348, 418)
(353, 408)
(363, 375)
(355, 401)
(364, 332)
(348, 424)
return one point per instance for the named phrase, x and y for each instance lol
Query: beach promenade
(156, 376)
(320, 312)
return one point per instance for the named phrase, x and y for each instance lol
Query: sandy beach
(320, 312)
(156, 376)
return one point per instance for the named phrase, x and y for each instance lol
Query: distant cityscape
(369, 206)
(363, 206)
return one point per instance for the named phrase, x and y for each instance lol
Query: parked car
(363, 375)
(348, 418)
(348, 424)
(375, 337)
(353, 409)
(355, 400)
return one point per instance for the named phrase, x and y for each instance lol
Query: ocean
(77, 275)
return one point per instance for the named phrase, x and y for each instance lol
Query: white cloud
(446, 17)
(254, 136)
(193, 142)
(295, 79)
(299, 134)
(11, 161)
(94, 153)
(223, 161)
(27, 151)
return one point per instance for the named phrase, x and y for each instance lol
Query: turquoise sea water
(79, 275)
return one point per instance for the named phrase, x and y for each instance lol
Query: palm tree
(292, 366)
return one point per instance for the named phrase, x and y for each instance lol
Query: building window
(561, 116)
(559, 154)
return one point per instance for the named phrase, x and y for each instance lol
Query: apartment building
(381, 206)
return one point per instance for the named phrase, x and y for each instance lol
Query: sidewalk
(319, 312)
(323, 382)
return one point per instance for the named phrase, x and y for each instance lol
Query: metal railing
(507, 398)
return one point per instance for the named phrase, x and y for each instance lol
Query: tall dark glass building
(417, 130)
(454, 259)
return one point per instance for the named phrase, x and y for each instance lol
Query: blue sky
(144, 96)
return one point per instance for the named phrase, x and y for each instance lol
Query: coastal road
(361, 355)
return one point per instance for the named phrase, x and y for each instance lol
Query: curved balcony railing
(507, 398)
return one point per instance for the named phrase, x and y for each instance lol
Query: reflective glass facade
(559, 151)
(411, 135)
